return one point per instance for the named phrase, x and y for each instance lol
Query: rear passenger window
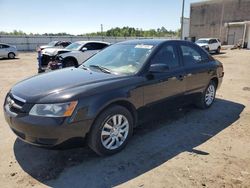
(192, 56)
(95, 46)
(166, 55)
(5, 46)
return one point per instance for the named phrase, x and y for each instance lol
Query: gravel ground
(185, 148)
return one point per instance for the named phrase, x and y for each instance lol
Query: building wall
(207, 19)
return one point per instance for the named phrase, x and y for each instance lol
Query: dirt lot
(188, 148)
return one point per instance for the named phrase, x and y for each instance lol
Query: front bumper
(45, 131)
(205, 48)
(46, 58)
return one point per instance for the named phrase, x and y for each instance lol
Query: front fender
(95, 104)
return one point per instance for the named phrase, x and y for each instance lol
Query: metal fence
(29, 42)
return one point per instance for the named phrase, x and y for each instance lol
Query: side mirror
(84, 49)
(158, 68)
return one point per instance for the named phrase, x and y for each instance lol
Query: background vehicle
(210, 44)
(74, 54)
(56, 44)
(80, 51)
(102, 99)
(8, 51)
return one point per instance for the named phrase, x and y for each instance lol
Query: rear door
(165, 84)
(214, 44)
(197, 67)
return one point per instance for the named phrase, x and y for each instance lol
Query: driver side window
(166, 55)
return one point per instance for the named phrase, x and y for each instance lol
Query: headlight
(53, 110)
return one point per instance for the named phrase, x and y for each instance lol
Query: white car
(8, 51)
(79, 52)
(210, 44)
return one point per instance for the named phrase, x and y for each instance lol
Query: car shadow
(217, 54)
(156, 141)
(7, 59)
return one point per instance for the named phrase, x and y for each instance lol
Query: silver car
(8, 51)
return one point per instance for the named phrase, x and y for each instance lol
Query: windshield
(74, 46)
(121, 58)
(53, 43)
(202, 41)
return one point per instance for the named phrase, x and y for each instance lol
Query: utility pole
(102, 31)
(182, 18)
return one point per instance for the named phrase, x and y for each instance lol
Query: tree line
(114, 32)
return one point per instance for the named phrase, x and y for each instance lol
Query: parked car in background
(210, 44)
(101, 99)
(8, 51)
(56, 44)
(80, 51)
(74, 54)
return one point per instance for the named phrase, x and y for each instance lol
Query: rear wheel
(111, 131)
(206, 99)
(11, 55)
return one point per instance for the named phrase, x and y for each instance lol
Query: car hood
(54, 51)
(46, 46)
(202, 44)
(61, 85)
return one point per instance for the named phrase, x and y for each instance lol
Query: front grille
(46, 59)
(15, 104)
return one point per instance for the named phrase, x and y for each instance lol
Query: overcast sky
(83, 16)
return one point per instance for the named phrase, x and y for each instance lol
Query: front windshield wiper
(103, 69)
(84, 67)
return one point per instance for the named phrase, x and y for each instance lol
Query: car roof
(207, 38)
(5, 44)
(154, 42)
(144, 41)
(88, 41)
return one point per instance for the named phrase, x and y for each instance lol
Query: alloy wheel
(210, 95)
(115, 131)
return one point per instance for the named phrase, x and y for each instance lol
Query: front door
(160, 86)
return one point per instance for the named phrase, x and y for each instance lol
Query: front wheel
(206, 99)
(70, 63)
(111, 131)
(218, 50)
(11, 55)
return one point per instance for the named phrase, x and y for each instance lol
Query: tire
(104, 138)
(70, 62)
(206, 99)
(11, 55)
(218, 50)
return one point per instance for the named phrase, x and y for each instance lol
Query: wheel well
(11, 53)
(215, 80)
(130, 107)
(72, 58)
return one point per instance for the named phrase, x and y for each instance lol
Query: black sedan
(100, 100)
